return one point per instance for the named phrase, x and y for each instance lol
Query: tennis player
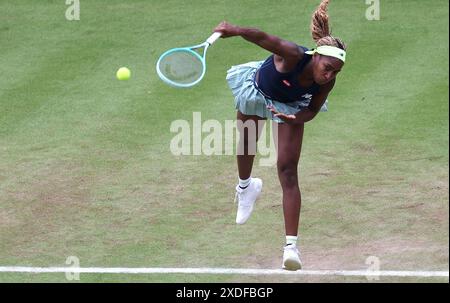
(290, 87)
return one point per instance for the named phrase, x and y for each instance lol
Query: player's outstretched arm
(288, 51)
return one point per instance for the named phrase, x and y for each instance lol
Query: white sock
(244, 183)
(291, 240)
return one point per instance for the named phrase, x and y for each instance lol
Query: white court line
(236, 271)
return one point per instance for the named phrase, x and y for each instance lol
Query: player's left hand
(286, 118)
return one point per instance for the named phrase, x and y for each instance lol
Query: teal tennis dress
(281, 90)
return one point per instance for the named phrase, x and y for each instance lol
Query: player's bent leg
(249, 189)
(249, 128)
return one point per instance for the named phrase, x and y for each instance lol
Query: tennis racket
(185, 66)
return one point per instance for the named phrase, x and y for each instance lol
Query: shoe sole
(259, 195)
(241, 223)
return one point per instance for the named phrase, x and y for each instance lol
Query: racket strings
(181, 67)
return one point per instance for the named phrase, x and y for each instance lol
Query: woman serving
(290, 87)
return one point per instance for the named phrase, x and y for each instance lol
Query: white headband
(327, 50)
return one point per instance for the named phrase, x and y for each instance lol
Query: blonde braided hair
(320, 28)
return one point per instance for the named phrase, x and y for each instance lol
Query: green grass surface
(86, 169)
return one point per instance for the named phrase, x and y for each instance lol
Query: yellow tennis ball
(123, 73)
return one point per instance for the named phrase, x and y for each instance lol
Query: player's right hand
(227, 29)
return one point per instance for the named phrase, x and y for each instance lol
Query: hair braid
(320, 28)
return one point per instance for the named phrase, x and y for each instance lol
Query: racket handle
(213, 38)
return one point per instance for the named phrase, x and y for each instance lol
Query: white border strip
(234, 271)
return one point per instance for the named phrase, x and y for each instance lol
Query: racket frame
(189, 49)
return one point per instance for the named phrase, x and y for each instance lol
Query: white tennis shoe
(246, 199)
(291, 258)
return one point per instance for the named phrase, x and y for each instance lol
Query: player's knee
(288, 175)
